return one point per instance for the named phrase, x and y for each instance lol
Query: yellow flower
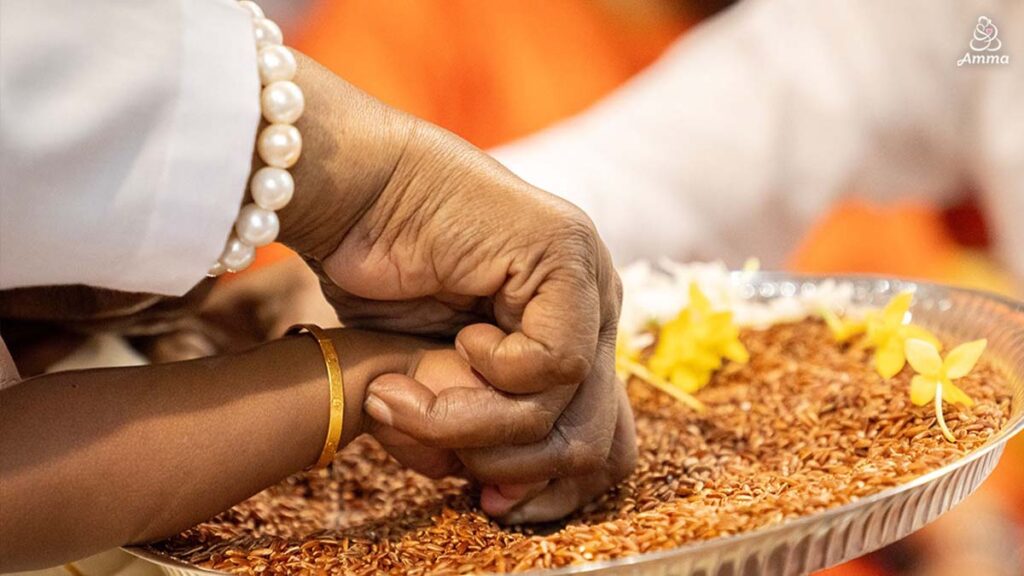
(886, 332)
(627, 365)
(935, 376)
(645, 375)
(843, 329)
(693, 345)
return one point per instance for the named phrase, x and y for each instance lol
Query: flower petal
(842, 328)
(698, 301)
(705, 361)
(897, 308)
(687, 380)
(832, 320)
(924, 357)
(889, 359)
(644, 375)
(922, 390)
(953, 394)
(660, 364)
(961, 360)
(877, 331)
(915, 331)
(719, 324)
(852, 328)
(735, 350)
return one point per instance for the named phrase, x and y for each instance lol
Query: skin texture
(90, 459)
(408, 229)
(411, 229)
(517, 503)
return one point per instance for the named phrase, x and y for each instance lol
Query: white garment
(751, 126)
(126, 137)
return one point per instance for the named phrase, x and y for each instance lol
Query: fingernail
(379, 410)
(494, 503)
(461, 350)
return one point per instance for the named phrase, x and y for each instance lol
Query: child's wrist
(364, 357)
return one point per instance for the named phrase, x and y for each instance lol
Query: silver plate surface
(827, 538)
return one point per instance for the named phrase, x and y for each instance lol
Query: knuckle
(578, 226)
(433, 432)
(548, 418)
(575, 220)
(534, 426)
(569, 368)
(439, 411)
(577, 241)
(581, 458)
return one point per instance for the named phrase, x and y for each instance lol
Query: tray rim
(997, 442)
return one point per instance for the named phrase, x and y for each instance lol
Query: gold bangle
(337, 386)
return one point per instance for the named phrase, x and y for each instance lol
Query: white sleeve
(997, 157)
(749, 128)
(126, 137)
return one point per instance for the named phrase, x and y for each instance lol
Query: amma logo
(984, 44)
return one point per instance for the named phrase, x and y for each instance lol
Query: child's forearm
(100, 458)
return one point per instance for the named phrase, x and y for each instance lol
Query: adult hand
(546, 501)
(440, 369)
(412, 229)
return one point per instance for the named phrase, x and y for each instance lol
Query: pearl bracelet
(278, 145)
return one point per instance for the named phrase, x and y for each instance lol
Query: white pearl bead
(276, 63)
(216, 270)
(267, 32)
(272, 188)
(282, 102)
(252, 7)
(257, 226)
(279, 145)
(237, 255)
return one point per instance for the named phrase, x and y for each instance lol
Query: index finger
(578, 444)
(556, 321)
(463, 417)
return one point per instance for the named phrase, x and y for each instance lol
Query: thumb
(397, 398)
(461, 417)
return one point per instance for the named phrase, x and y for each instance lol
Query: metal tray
(827, 538)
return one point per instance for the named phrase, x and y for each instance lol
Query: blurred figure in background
(749, 129)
